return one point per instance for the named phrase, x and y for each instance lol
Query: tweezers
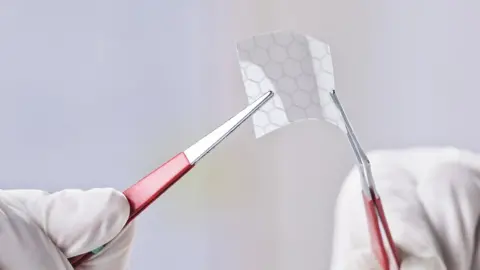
(151, 187)
(377, 221)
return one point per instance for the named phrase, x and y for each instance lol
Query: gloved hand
(39, 231)
(431, 198)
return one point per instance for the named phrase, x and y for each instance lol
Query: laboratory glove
(431, 197)
(40, 231)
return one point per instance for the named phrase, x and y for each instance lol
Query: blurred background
(98, 93)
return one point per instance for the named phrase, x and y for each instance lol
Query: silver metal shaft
(368, 184)
(198, 150)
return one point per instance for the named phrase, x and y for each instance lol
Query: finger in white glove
(39, 230)
(397, 185)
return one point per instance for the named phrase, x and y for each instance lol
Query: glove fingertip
(80, 221)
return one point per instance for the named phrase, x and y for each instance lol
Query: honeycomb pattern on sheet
(298, 69)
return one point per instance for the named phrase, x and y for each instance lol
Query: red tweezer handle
(372, 206)
(147, 190)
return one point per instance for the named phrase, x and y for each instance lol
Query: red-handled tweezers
(377, 222)
(148, 189)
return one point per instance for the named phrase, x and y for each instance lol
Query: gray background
(97, 93)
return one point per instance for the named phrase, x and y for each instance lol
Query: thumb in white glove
(405, 217)
(40, 231)
(433, 215)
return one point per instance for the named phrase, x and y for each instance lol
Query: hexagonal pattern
(298, 69)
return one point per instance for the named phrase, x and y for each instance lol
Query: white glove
(431, 198)
(39, 231)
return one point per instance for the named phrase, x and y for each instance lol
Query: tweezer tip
(207, 143)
